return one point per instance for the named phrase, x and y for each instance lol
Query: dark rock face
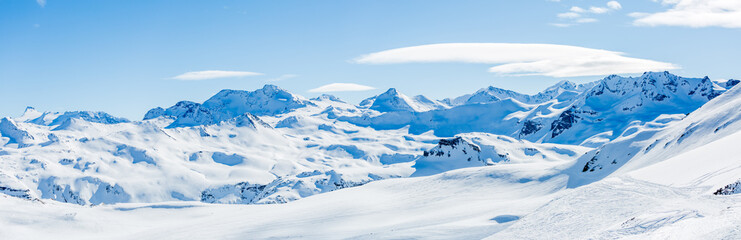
(452, 143)
(19, 193)
(729, 189)
(732, 83)
(530, 127)
(592, 165)
(565, 121)
(247, 193)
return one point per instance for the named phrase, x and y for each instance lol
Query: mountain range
(567, 156)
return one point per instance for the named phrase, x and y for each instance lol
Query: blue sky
(123, 57)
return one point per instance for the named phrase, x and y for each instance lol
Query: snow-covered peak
(654, 87)
(434, 104)
(327, 97)
(29, 114)
(728, 84)
(615, 101)
(228, 104)
(392, 101)
(563, 91)
(449, 154)
(646, 145)
(56, 118)
(269, 100)
(90, 116)
(493, 94)
(457, 101)
(562, 85)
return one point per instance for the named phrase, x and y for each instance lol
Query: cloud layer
(341, 87)
(694, 13)
(522, 59)
(212, 74)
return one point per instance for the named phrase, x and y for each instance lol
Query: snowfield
(649, 157)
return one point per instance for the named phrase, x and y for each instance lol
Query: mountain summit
(392, 100)
(228, 104)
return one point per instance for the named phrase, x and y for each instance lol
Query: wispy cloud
(578, 15)
(577, 9)
(569, 15)
(341, 87)
(41, 3)
(598, 10)
(522, 59)
(212, 74)
(586, 20)
(561, 25)
(282, 77)
(694, 13)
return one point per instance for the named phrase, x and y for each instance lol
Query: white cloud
(614, 5)
(282, 77)
(694, 13)
(341, 87)
(569, 15)
(41, 3)
(586, 20)
(562, 25)
(638, 14)
(577, 15)
(577, 9)
(522, 59)
(598, 10)
(212, 74)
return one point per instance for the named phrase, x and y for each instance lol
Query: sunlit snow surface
(621, 158)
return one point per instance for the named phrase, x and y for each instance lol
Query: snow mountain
(392, 101)
(228, 104)
(589, 118)
(651, 156)
(563, 91)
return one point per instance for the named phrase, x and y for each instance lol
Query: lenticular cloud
(522, 59)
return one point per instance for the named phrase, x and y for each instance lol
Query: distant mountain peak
(392, 100)
(327, 97)
(563, 84)
(271, 87)
(228, 104)
(29, 113)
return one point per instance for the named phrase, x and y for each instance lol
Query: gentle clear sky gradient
(122, 57)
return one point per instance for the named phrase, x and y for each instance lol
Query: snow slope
(625, 158)
(643, 146)
(467, 203)
(146, 162)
